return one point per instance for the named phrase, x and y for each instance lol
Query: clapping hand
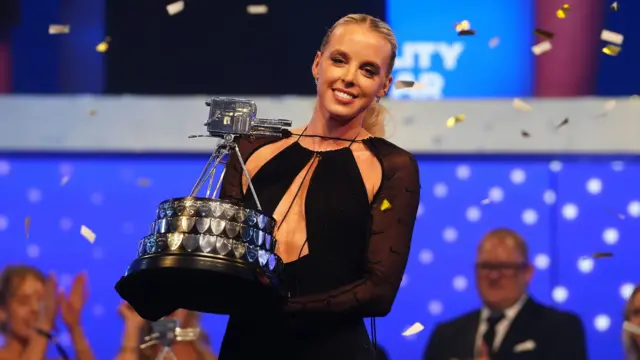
(71, 306)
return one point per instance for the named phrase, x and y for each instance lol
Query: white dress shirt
(502, 327)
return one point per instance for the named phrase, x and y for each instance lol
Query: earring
(377, 100)
(316, 81)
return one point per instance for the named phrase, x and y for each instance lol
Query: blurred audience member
(136, 328)
(510, 324)
(29, 305)
(630, 340)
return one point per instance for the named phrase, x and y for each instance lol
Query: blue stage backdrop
(451, 66)
(566, 212)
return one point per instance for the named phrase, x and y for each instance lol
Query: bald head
(503, 271)
(507, 239)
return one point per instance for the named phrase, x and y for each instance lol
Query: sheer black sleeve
(393, 216)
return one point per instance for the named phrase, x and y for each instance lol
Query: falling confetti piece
(521, 105)
(144, 182)
(614, 6)
(466, 32)
(463, 25)
(563, 123)
(87, 234)
(562, 12)
(611, 50)
(27, 226)
(257, 9)
(541, 47)
(404, 84)
(102, 47)
(602, 255)
(525, 134)
(485, 201)
(494, 42)
(413, 329)
(175, 8)
(59, 29)
(65, 179)
(452, 121)
(92, 112)
(386, 205)
(545, 34)
(611, 37)
(609, 105)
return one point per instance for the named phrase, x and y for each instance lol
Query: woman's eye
(337, 60)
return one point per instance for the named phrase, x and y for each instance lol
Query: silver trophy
(206, 254)
(165, 332)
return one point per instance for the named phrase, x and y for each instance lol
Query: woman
(136, 328)
(29, 305)
(345, 201)
(632, 314)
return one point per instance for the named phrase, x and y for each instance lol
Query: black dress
(357, 252)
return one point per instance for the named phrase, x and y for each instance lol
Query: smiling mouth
(344, 95)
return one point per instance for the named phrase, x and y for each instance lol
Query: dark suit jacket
(557, 335)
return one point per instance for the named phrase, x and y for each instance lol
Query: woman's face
(352, 71)
(23, 306)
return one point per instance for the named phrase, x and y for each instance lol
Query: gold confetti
(452, 121)
(521, 105)
(563, 123)
(404, 84)
(609, 105)
(104, 45)
(257, 9)
(614, 6)
(494, 42)
(87, 234)
(602, 255)
(611, 37)
(386, 205)
(27, 226)
(545, 34)
(562, 12)
(611, 50)
(59, 29)
(92, 112)
(413, 329)
(462, 26)
(525, 134)
(485, 201)
(65, 179)
(541, 47)
(144, 182)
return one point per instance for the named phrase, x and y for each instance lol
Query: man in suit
(510, 325)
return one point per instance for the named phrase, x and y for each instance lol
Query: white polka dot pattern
(566, 210)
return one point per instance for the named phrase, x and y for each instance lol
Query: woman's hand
(71, 306)
(49, 305)
(130, 316)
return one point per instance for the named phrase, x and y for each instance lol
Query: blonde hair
(631, 348)
(375, 115)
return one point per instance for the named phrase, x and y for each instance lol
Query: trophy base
(157, 285)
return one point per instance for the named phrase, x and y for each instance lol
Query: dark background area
(215, 47)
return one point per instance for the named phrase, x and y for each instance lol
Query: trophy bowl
(205, 255)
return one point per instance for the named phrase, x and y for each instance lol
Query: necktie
(489, 336)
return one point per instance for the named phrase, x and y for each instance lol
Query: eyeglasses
(501, 267)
